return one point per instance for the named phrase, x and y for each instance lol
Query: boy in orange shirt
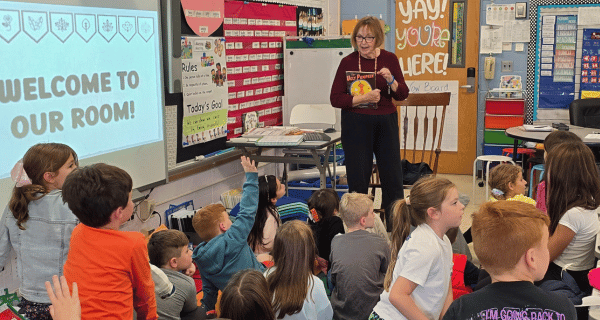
(110, 267)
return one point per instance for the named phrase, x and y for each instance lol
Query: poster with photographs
(204, 89)
(590, 64)
(310, 21)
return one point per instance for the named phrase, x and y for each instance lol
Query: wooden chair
(427, 102)
(427, 108)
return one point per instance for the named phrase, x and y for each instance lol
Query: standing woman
(368, 131)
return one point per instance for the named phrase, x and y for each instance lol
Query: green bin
(497, 137)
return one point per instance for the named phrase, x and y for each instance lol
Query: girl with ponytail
(37, 224)
(417, 283)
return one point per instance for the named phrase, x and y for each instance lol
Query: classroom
(176, 92)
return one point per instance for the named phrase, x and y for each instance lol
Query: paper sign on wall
(450, 137)
(204, 89)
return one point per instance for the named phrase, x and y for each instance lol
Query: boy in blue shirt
(224, 249)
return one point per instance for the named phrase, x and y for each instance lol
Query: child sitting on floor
(552, 140)
(359, 260)
(417, 284)
(323, 206)
(267, 218)
(573, 189)
(247, 297)
(224, 248)
(169, 250)
(511, 241)
(507, 183)
(297, 293)
(110, 266)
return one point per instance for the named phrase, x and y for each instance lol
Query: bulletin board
(540, 88)
(254, 42)
(251, 34)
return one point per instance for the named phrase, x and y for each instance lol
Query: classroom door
(436, 42)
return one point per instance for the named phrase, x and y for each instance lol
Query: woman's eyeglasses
(359, 39)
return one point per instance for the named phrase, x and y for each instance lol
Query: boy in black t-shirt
(511, 241)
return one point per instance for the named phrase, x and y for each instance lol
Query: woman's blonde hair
(39, 159)
(428, 192)
(501, 176)
(294, 253)
(374, 25)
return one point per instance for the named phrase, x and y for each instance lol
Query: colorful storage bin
(497, 137)
(505, 106)
(502, 122)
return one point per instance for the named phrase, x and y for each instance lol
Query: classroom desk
(518, 133)
(310, 148)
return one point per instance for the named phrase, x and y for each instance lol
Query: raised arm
(240, 229)
(65, 306)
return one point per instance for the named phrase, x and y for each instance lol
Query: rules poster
(204, 89)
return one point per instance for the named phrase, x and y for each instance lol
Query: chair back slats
(435, 126)
(439, 149)
(405, 132)
(424, 104)
(426, 131)
(415, 130)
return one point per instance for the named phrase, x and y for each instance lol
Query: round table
(518, 133)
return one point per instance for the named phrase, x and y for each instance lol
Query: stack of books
(276, 136)
(271, 131)
(292, 140)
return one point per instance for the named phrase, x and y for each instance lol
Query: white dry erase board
(308, 75)
(87, 74)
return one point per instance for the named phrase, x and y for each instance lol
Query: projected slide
(85, 76)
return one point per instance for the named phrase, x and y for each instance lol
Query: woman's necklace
(359, 66)
(360, 69)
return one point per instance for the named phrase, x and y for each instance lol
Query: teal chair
(537, 167)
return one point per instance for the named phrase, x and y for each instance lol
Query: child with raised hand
(65, 305)
(324, 221)
(417, 283)
(224, 249)
(507, 183)
(511, 241)
(37, 224)
(552, 140)
(247, 297)
(297, 293)
(267, 218)
(573, 190)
